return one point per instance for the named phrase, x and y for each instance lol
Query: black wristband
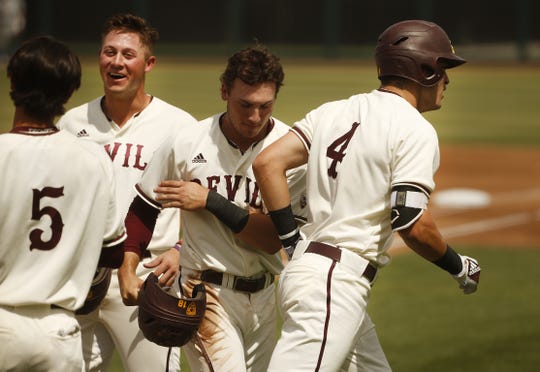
(285, 224)
(229, 213)
(450, 261)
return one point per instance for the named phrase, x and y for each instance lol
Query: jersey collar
(34, 131)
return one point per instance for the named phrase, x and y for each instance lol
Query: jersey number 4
(336, 151)
(57, 225)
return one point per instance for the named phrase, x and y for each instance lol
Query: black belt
(334, 253)
(239, 283)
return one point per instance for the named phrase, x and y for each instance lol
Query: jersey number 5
(57, 225)
(336, 151)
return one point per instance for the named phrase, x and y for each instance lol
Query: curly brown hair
(253, 65)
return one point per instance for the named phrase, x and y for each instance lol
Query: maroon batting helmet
(168, 320)
(415, 50)
(98, 290)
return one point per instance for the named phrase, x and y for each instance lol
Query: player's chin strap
(287, 228)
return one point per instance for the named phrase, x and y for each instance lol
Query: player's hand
(189, 196)
(469, 277)
(167, 267)
(128, 280)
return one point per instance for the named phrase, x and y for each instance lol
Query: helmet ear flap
(427, 71)
(431, 75)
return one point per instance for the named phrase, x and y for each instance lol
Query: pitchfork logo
(191, 309)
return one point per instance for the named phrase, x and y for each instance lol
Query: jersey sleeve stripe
(146, 198)
(302, 136)
(116, 240)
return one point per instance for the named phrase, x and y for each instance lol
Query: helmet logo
(167, 319)
(191, 309)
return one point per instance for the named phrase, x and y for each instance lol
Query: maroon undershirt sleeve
(140, 222)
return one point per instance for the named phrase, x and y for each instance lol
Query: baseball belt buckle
(250, 285)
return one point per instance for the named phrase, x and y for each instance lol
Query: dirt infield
(510, 177)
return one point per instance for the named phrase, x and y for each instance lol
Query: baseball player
(228, 243)
(130, 124)
(371, 160)
(59, 216)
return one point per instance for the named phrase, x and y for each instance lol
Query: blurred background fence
(485, 29)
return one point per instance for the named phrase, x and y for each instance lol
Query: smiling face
(123, 63)
(249, 108)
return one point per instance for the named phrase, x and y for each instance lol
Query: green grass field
(483, 104)
(424, 322)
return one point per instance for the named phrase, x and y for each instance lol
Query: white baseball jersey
(359, 148)
(206, 156)
(58, 209)
(131, 147)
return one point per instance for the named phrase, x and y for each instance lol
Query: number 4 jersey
(57, 196)
(358, 149)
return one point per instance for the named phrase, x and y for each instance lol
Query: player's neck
(22, 120)
(243, 143)
(120, 109)
(404, 92)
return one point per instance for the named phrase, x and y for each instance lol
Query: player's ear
(150, 63)
(224, 92)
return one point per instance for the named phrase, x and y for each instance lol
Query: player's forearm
(269, 171)
(253, 228)
(272, 183)
(276, 192)
(127, 279)
(270, 166)
(261, 233)
(424, 238)
(130, 263)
